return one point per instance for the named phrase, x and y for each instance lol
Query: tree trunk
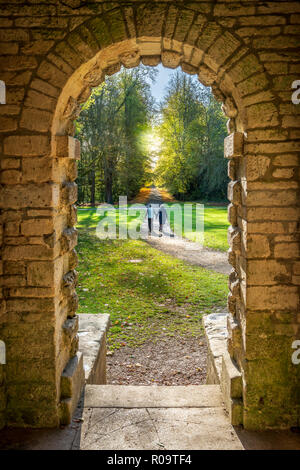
(92, 186)
(108, 189)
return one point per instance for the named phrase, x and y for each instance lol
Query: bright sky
(158, 88)
(164, 75)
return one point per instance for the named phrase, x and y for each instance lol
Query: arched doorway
(263, 297)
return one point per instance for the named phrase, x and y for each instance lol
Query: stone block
(28, 252)
(36, 120)
(70, 328)
(216, 337)
(10, 163)
(69, 282)
(37, 170)
(44, 273)
(68, 239)
(234, 192)
(233, 145)
(72, 216)
(72, 383)
(36, 226)
(231, 386)
(223, 47)
(52, 75)
(279, 297)
(151, 60)
(256, 167)
(231, 303)
(171, 59)
(29, 195)
(267, 272)
(73, 259)
(232, 258)
(258, 246)
(92, 342)
(65, 146)
(232, 214)
(286, 250)
(234, 239)
(206, 75)
(130, 59)
(287, 197)
(231, 169)
(231, 378)
(69, 193)
(27, 145)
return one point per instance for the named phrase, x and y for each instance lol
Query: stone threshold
(88, 366)
(221, 369)
(152, 396)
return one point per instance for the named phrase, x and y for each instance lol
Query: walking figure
(150, 214)
(162, 217)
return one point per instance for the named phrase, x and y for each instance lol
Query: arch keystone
(171, 59)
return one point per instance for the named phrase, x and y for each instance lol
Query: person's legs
(149, 225)
(160, 223)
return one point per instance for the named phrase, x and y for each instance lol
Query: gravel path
(165, 361)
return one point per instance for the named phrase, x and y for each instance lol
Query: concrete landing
(120, 417)
(160, 428)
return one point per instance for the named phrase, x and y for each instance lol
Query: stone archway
(38, 176)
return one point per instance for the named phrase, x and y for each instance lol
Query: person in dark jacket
(162, 217)
(150, 215)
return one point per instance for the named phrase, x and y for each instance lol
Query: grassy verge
(145, 291)
(215, 223)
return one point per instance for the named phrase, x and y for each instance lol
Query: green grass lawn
(215, 223)
(158, 294)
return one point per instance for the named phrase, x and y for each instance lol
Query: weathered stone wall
(53, 53)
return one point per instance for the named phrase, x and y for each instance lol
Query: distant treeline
(111, 127)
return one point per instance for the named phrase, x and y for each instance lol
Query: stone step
(92, 343)
(152, 396)
(126, 417)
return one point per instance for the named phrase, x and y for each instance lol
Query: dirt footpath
(183, 248)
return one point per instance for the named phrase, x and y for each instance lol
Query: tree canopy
(111, 128)
(192, 130)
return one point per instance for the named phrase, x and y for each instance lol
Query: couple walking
(161, 213)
